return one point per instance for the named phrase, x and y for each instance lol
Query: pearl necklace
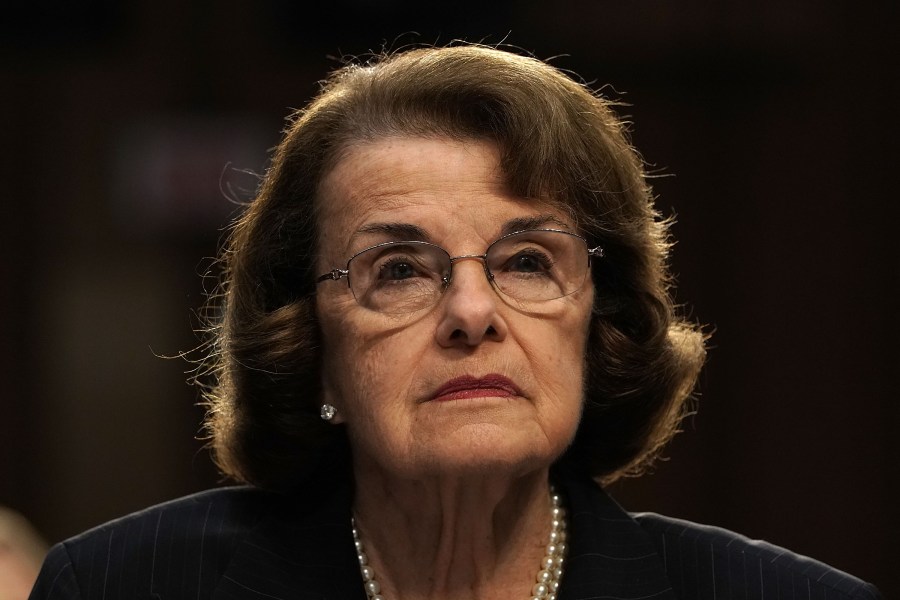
(548, 576)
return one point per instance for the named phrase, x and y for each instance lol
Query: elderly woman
(446, 316)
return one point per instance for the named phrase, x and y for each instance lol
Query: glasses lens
(399, 277)
(538, 265)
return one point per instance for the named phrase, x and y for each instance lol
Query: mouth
(489, 386)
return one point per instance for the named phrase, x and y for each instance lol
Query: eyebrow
(401, 232)
(534, 222)
(396, 231)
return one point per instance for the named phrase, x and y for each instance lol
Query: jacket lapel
(609, 554)
(297, 555)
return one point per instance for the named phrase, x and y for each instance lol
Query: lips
(489, 386)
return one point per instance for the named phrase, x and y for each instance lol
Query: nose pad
(469, 313)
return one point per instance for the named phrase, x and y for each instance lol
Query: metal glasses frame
(337, 274)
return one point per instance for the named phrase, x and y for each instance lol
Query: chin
(488, 451)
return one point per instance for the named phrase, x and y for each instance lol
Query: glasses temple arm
(333, 275)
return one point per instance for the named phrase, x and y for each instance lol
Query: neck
(474, 536)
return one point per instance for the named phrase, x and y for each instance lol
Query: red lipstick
(492, 385)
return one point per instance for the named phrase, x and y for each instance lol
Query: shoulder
(210, 517)
(705, 562)
(189, 540)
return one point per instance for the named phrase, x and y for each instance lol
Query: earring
(327, 412)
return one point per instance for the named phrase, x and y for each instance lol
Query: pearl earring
(327, 412)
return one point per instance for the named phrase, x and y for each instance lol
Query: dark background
(771, 126)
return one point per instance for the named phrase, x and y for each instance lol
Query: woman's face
(471, 383)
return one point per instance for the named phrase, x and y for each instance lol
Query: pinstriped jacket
(244, 543)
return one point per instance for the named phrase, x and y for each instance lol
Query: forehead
(447, 187)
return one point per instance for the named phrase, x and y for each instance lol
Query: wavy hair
(559, 142)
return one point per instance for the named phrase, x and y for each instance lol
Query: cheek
(343, 359)
(561, 351)
(564, 374)
(367, 372)
(559, 365)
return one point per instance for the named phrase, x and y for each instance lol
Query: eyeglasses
(535, 265)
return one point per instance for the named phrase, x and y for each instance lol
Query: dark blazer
(245, 543)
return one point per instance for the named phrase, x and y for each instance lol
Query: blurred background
(129, 129)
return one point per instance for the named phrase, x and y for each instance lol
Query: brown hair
(559, 142)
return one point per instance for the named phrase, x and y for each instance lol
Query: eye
(531, 260)
(398, 268)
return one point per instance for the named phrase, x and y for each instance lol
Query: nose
(469, 313)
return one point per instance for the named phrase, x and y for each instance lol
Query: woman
(445, 315)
